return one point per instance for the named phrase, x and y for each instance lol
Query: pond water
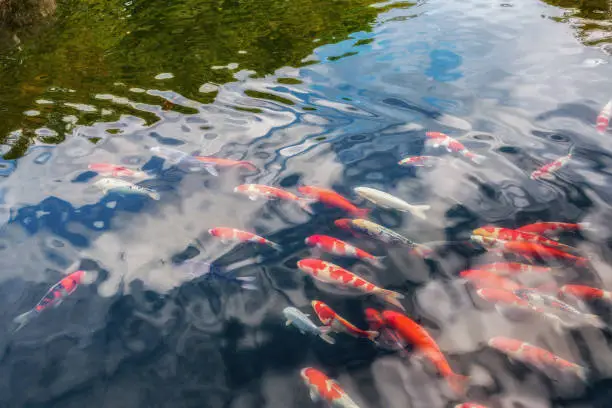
(325, 93)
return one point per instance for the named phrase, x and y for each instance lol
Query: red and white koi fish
(419, 161)
(53, 298)
(553, 228)
(603, 119)
(388, 338)
(507, 234)
(485, 279)
(538, 357)
(336, 323)
(502, 297)
(333, 199)
(469, 405)
(585, 292)
(424, 344)
(337, 247)
(546, 171)
(327, 272)
(453, 146)
(219, 162)
(255, 191)
(113, 170)
(513, 268)
(233, 234)
(321, 387)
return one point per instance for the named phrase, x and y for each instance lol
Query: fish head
(324, 312)
(307, 190)
(78, 276)
(214, 232)
(241, 188)
(313, 240)
(289, 311)
(310, 265)
(343, 223)
(361, 191)
(374, 318)
(306, 374)
(436, 135)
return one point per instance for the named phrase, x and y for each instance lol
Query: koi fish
(388, 339)
(124, 187)
(528, 250)
(255, 191)
(552, 228)
(219, 162)
(512, 268)
(301, 321)
(338, 324)
(502, 297)
(546, 171)
(419, 161)
(333, 199)
(538, 357)
(107, 169)
(197, 268)
(507, 234)
(321, 387)
(233, 234)
(373, 230)
(485, 279)
(585, 292)
(337, 247)
(386, 200)
(327, 272)
(53, 298)
(453, 146)
(413, 333)
(469, 405)
(603, 119)
(174, 156)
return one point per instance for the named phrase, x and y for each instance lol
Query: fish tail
(305, 204)
(23, 319)
(361, 212)
(391, 297)
(275, 246)
(327, 338)
(376, 261)
(585, 226)
(458, 383)
(595, 321)
(478, 159)
(419, 211)
(154, 195)
(373, 335)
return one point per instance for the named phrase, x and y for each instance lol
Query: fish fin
(594, 320)
(211, 169)
(391, 297)
(154, 195)
(313, 395)
(327, 338)
(275, 246)
(288, 322)
(458, 383)
(23, 319)
(373, 335)
(361, 212)
(305, 204)
(248, 286)
(419, 211)
(377, 261)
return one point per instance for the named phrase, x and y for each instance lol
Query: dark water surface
(328, 93)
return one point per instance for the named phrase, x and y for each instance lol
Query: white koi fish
(386, 200)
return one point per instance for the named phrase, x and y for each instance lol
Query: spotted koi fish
(336, 323)
(585, 292)
(255, 191)
(453, 146)
(113, 170)
(507, 234)
(233, 234)
(332, 199)
(535, 356)
(546, 172)
(419, 161)
(327, 272)
(53, 298)
(321, 387)
(553, 228)
(603, 119)
(337, 247)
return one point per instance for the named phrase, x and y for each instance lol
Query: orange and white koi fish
(485, 279)
(233, 234)
(333, 199)
(255, 191)
(513, 268)
(337, 247)
(546, 171)
(53, 298)
(507, 234)
(336, 323)
(453, 146)
(424, 344)
(327, 272)
(219, 162)
(388, 338)
(419, 161)
(585, 292)
(321, 387)
(113, 170)
(553, 228)
(538, 357)
(603, 119)
(469, 405)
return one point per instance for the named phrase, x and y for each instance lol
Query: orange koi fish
(255, 191)
(538, 357)
(585, 292)
(507, 234)
(219, 162)
(337, 247)
(113, 170)
(603, 119)
(53, 298)
(553, 228)
(485, 279)
(333, 274)
(546, 171)
(453, 146)
(321, 387)
(233, 234)
(333, 199)
(413, 333)
(419, 161)
(336, 323)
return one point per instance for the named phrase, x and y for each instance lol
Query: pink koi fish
(453, 146)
